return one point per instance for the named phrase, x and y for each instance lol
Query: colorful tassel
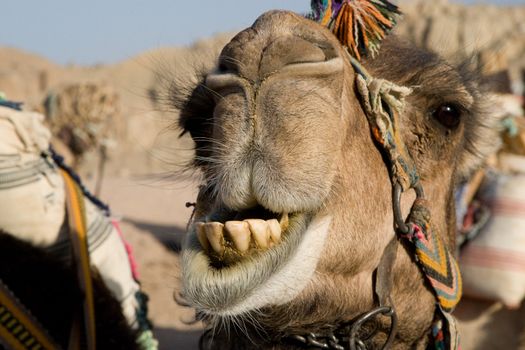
(360, 25)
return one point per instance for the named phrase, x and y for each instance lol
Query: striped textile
(26, 174)
(19, 330)
(493, 263)
(494, 258)
(32, 197)
(439, 266)
(99, 231)
(436, 261)
(33, 207)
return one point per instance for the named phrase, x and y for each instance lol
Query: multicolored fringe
(360, 25)
(445, 333)
(436, 261)
(438, 335)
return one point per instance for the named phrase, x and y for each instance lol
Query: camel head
(295, 207)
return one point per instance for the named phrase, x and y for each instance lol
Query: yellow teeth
(239, 233)
(240, 236)
(201, 235)
(284, 222)
(260, 232)
(214, 233)
(275, 230)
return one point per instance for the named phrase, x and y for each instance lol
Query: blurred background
(110, 60)
(102, 32)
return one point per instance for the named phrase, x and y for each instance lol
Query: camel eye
(448, 115)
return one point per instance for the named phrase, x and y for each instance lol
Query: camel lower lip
(225, 290)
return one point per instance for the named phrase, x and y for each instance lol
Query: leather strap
(78, 236)
(384, 278)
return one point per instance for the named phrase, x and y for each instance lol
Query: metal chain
(313, 340)
(348, 333)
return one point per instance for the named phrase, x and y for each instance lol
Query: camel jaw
(273, 276)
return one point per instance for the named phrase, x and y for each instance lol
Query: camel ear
(177, 84)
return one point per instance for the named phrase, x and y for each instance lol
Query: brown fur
(299, 141)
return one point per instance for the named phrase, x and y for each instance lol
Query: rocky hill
(493, 36)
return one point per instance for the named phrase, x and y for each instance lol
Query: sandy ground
(486, 325)
(153, 219)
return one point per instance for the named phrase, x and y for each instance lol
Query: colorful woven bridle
(361, 25)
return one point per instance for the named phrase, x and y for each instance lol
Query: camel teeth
(260, 232)
(214, 233)
(284, 222)
(239, 232)
(275, 230)
(213, 236)
(201, 235)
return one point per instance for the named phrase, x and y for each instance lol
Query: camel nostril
(289, 50)
(223, 68)
(227, 65)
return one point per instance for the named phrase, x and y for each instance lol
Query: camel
(81, 118)
(48, 287)
(56, 241)
(295, 207)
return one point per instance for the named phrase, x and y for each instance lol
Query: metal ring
(398, 215)
(419, 190)
(357, 344)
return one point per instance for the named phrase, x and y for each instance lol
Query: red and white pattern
(493, 264)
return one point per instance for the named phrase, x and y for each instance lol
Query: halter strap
(383, 102)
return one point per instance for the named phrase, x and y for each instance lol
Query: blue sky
(105, 31)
